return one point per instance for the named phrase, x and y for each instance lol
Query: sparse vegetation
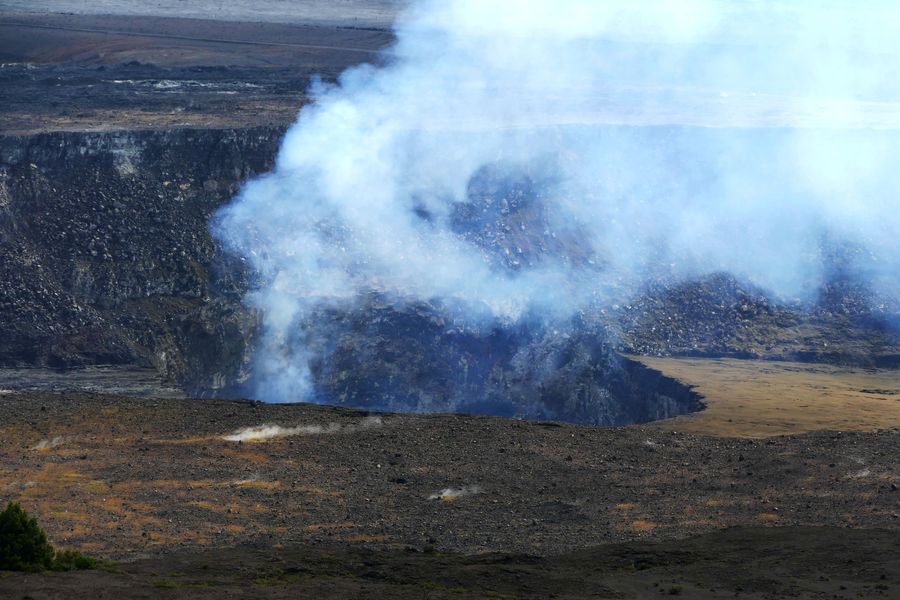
(24, 546)
(72, 560)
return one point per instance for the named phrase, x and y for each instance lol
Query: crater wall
(106, 255)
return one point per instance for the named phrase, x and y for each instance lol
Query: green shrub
(72, 560)
(23, 544)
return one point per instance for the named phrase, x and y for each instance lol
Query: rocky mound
(412, 357)
(718, 315)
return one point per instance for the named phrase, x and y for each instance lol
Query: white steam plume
(450, 494)
(670, 138)
(267, 432)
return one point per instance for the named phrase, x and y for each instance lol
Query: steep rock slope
(106, 255)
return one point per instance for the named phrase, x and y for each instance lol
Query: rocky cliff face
(105, 255)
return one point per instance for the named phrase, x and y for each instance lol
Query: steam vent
(449, 299)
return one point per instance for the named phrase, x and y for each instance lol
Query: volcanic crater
(739, 429)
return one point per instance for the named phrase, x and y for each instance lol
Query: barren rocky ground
(102, 73)
(125, 478)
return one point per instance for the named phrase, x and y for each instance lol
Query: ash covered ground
(441, 505)
(143, 127)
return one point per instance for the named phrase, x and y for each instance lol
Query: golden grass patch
(259, 484)
(717, 502)
(755, 398)
(66, 515)
(95, 487)
(643, 526)
(768, 517)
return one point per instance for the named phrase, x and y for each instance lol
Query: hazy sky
(375, 13)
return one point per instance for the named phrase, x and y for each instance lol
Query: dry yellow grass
(751, 398)
(99, 494)
(643, 526)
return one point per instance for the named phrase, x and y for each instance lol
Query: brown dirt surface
(356, 503)
(754, 398)
(124, 477)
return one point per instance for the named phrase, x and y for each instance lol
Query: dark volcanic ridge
(386, 355)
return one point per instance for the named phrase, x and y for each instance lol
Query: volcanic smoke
(555, 156)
